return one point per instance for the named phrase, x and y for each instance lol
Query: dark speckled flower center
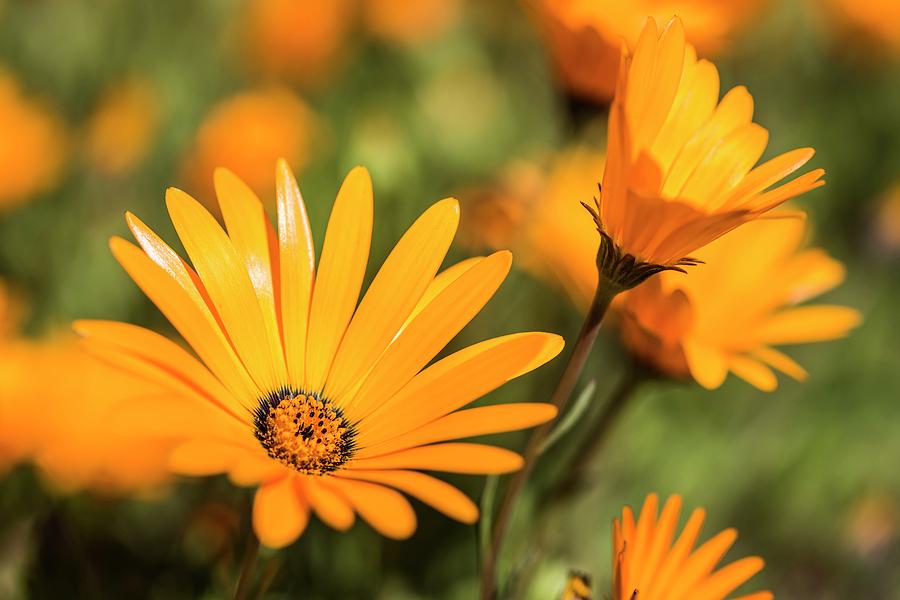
(304, 432)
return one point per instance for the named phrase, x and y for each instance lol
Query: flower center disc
(304, 432)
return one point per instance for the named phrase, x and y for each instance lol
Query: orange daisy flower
(730, 312)
(327, 406)
(680, 164)
(651, 564)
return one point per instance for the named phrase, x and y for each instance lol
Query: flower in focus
(122, 127)
(32, 146)
(876, 22)
(78, 430)
(650, 563)
(680, 164)
(326, 406)
(247, 133)
(301, 40)
(409, 22)
(730, 312)
(537, 214)
(584, 37)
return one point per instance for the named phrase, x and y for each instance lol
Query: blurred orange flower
(247, 133)
(301, 40)
(122, 128)
(539, 217)
(876, 22)
(33, 145)
(80, 429)
(584, 37)
(406, 22)
(886, 225)
(680, 163)
(650, 563)
(728, 313)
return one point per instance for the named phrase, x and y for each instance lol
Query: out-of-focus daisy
(886, 224)
(79, 431)
(326, 406)
(409, 22)
(247, 133)
(680, 163)
(584, 37)
(33, 145)
(302, 40)
(729, 313)
(651, 563)
(538, 215)
(876, 23)
(121, 129)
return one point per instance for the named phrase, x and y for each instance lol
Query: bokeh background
(103, 104)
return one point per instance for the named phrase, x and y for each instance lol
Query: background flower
(736, 306)
(584, 37)
(32, 147)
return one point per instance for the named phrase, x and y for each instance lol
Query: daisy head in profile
(681, 167)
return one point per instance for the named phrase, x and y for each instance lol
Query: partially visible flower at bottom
(649, 563)
(727, 314)
(326, 406)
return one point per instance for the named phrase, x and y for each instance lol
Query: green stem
(580, 352)
(592, 443)
(245, 579)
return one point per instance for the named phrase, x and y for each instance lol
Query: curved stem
(245, 579)
(567, 381)
(593, 442)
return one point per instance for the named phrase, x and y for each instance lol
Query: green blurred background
(807, 474)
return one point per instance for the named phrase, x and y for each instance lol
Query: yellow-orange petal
(392, 295)
(387, 511)
(753, 372)
(436, 493)
(440, 283)
(341, 270)
(165, 355)
(280, 513)
(808, 324)
(247, 226)
(457, 380)
(194, 324)
(297, 262)
(708, 365)
(438, 322)
(204, 457)
(467, 423)
(228, 283)
(254, 469)
(329, 505)
(476, 459)
(727, 579)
